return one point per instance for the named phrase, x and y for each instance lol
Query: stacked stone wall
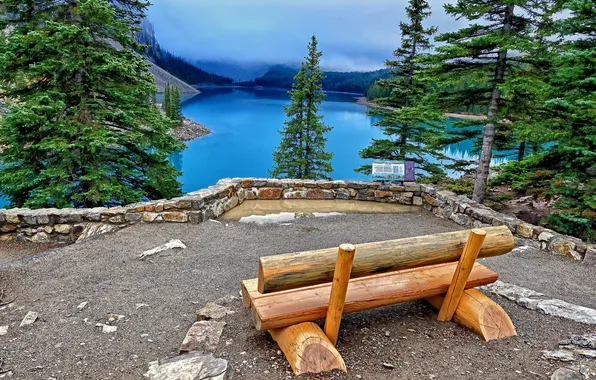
(70, 225)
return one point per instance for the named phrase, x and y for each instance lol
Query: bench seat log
(307, 349)
(296, 270)
(285, 308)
(480, 314)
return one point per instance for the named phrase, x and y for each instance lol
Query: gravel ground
(12, 250)
(65, 344)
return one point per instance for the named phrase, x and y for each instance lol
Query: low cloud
(353, 35)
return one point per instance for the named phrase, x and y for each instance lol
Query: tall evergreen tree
(407, 119)
(81, 130)
(477, 65)
(566, 171)
(175, 106)
(167, 100)
(302, 150)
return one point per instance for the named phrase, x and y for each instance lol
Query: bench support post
(339, 289)
(462, 272)
(307, 349)
(480, 314)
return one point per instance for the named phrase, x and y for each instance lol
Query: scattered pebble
(388, 365)
(3, 330)
(82, 305)
(106, 329)
(114, 317)
(29, 319)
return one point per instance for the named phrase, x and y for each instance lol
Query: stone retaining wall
(70, 225)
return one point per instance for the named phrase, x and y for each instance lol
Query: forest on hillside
(282, 76)
(175, 65)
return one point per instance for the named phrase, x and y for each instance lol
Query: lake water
(245, 126)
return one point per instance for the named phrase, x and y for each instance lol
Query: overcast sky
(353, 34)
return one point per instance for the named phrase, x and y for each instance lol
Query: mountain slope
(162, 78)
(173, 64)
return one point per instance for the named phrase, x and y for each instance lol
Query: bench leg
(307, 348)
(481, 314)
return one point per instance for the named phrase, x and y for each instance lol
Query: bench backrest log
(295, 270)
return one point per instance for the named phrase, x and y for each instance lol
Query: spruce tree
(302, 150)
(570, 120)
(81, 130)
(167, 100)
(566, 170)
(409, 122)
(176, 107)
(477, 64)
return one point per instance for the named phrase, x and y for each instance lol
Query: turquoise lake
(245, 126)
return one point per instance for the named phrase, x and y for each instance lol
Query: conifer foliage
(566, 170)
(81, 129)
(478, 63)
(408, 121)
(171, 103)
(302, 150)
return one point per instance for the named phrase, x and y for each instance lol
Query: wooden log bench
(294, 290)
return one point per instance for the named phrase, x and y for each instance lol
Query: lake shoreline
(365, 102)
(189, 130)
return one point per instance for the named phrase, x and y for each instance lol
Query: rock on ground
(29, 319)
(566, 374)
(537, 301)
(192, 366)
(211, 310)
(202, 336)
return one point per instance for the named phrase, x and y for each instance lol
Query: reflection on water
(285, 210)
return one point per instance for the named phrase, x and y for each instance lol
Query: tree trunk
(403, 140)
(522, 150)
(488, 139)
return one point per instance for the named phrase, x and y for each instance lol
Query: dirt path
(159, 300)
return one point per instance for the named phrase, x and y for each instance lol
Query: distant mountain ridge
(238, 71)
(282, 76)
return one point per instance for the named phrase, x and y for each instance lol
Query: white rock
(106, 329)
(29, 319)
(533, 300)
(192, 366)
(3, 330)
(140, 305)
(82, 305)
(567, 310)
(561, 355)
(174, 243)
(96, 229)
